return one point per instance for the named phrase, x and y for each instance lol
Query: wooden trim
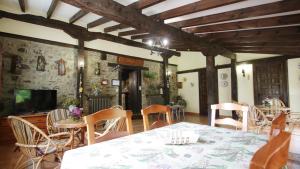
(22, 5)
(189, 71)
(199, 69)
(61, 44)
(192, 114)
(243, 62)
(51, 8)
(127, 66)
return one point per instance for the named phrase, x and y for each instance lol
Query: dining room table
(72, 125)
(202, 146)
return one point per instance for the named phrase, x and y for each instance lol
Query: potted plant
(70, 101)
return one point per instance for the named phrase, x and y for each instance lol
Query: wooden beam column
(80, 71)
(211, 83)
(234, 89)
(166, 83)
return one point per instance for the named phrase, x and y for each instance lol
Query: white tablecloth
(217, 148)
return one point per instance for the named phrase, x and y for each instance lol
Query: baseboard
(192, 113)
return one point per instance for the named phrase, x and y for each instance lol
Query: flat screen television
(27, 100)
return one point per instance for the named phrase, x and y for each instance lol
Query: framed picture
(104, 82)
(115, 82)
(179, 85)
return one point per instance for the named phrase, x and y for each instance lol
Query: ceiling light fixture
(157, 43)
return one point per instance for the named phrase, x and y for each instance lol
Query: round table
(72, 125)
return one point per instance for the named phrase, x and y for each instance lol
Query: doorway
(130, 90)
(270, 80)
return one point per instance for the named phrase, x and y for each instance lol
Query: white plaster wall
(294, 84)
(245, 84)
(224, 89)
(196, 60)
(191, 60)
(41, 32)
(190, 91)
(251, 56)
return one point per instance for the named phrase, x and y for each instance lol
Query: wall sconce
(80, 62)
(243, 73)
(97, 69)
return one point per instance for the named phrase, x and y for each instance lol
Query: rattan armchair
(34, 143)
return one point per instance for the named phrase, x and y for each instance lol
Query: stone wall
(26, 75)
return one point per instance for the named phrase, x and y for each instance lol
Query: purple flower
(76, 112)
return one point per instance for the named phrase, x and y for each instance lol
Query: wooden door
(202, 92)
(270, 80)
(134, 97)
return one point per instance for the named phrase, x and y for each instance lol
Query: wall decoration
(224, 76)
(61, 67)
(224, 83)
(115, 82)
(97, 69)
(104, 82)
(41, 63)
(15, 64)
(179, 85)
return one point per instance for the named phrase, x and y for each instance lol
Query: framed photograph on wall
(104, 82)
(115, 82)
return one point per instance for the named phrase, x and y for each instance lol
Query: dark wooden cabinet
(270, 80)
(6, 134)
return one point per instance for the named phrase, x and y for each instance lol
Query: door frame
(139, 86)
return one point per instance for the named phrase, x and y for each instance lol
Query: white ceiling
(65, 11)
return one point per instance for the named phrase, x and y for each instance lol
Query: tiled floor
(8, 156)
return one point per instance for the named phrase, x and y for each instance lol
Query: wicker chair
(257, 120)
(156, 109)
(34, 143)
(54, 116)
(57, 115)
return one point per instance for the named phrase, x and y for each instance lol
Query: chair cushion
(57, 143)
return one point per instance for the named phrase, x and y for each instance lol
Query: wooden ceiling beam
(132, 32)
(79, 32)
(265, 9)
(256, 23)
(283, 38)
(194, 7)
(268, 50)
(98, 22)
(190, 8)
(261, 44)
(22, 5)
(52, 8)
(258, 33)
(115, 27)
(77, 16)
(143, 36)
(139, 5)
(142, 4)
(129, 16)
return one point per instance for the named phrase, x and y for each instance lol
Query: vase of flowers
(75, 112)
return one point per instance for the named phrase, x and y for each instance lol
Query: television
(27, 100)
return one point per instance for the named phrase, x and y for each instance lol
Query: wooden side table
(72, 125)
